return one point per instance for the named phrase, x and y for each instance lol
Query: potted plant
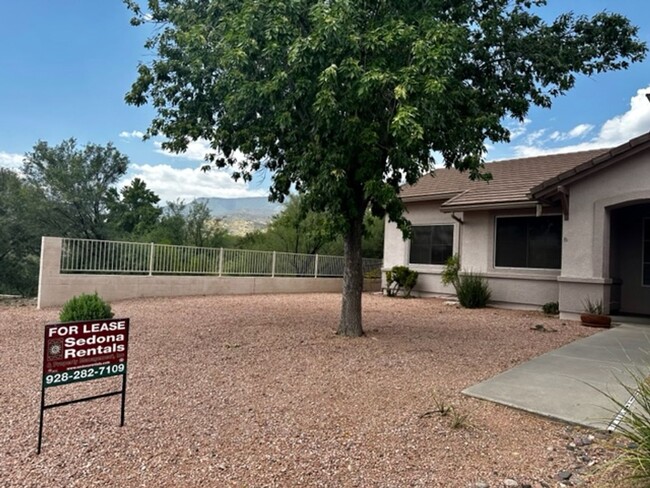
(593, 315)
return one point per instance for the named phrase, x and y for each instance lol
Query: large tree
(345, 100)
(134, 210)
(76, 183)
(24, 218)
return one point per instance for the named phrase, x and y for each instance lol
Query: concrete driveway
(566, 384)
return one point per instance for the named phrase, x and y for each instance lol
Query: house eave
(611, 157)
(430, 198)
(489, 206)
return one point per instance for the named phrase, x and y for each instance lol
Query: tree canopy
(133, 209)
(76, 183)
(347, 100)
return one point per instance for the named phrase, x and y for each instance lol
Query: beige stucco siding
(586, 246)
(586, 233)
(474, 241)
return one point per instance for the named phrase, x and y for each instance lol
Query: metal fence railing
(113, 257)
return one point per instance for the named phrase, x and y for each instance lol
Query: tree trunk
(350, 324)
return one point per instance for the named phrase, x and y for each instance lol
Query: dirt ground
(258, 391)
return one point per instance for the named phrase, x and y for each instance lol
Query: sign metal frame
(104, 361)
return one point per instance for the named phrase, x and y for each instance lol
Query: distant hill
(242, 215)
(254, 207)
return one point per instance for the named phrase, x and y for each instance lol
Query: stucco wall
(586, 246)
(56, 288)
(474, 241)
(585, 250)
(397, 250)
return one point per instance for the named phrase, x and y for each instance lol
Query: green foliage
(551, 308)
(300, 230)
(85, 307)
(344, 101)
(76, 184)
(450, 272)
(295, 229)
(24, 218)
(188, 225)
(134, 210)
(473, 290)
(400, 278)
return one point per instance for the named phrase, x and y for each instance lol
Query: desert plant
(459, 420)
(400, 278)
(595, 307)
(85, 307)
(635, 427)
(473, 290)
(551, 308)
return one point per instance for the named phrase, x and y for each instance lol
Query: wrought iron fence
(113, 257)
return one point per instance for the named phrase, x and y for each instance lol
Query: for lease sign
(80, 351)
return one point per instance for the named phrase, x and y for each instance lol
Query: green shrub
(450, 273)
(551, 308)
(473, 290)
(400, 278)
(85, 307)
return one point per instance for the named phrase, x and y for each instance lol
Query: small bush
(400, 278)
(450, 272)
(473, 290)
(85, 307)
(551, 308)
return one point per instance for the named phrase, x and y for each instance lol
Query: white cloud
(196, 150)
(580, 130)
(134, 134)
(615, 131)
(533, 137)
(517, 128)
(10, 160)
(189, 183)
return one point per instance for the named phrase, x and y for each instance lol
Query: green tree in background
(76, 183)
(188, 225)
(300, 230)
(134, 210)
(345, 100)
(24, 218)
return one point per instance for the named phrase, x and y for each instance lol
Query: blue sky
(65, 66)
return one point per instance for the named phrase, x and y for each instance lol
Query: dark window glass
(432, 244)
(529, 242)
(646, 252)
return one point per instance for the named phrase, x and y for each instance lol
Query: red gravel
(259, 391)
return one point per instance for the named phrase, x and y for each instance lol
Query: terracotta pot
(595, 320)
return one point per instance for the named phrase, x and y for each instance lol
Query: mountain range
(242, 215)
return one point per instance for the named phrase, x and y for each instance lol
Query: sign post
(83, 351)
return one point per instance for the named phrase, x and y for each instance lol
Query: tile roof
(512, 180)
(612, 156)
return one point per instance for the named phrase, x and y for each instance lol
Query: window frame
(454, 241)
(520, 268)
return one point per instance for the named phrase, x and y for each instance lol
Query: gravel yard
(247, 391)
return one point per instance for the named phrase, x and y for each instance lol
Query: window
(646, 252)
(529, 242)
(432, 244)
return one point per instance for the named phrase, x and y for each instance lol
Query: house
(562, 227)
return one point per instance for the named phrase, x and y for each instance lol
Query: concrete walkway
(564, 383)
